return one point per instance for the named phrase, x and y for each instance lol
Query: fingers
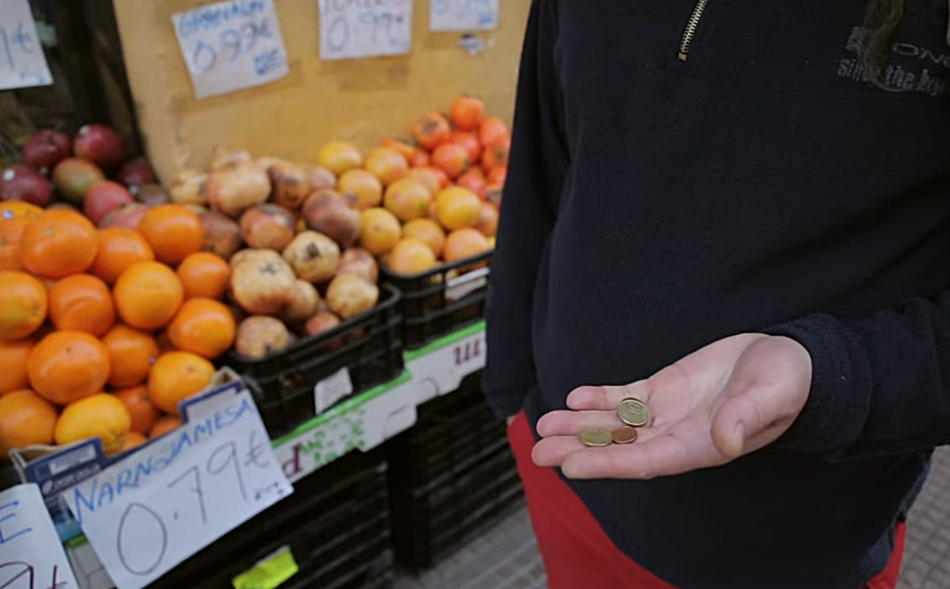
(552, 451)
(663, 455)
(570, 423)
(606, 398)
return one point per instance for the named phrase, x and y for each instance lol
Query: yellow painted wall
(356, 100)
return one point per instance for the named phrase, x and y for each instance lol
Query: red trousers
(577, 552)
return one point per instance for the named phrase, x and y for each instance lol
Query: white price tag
(31, 554)
(331, 389)
(463, 15)
(440, 370)
(22, 62)
(149, 512)
(231, 45)
(350, 30)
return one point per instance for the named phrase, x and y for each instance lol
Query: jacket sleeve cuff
(839, 401)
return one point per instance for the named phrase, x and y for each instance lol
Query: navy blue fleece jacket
(655, 205)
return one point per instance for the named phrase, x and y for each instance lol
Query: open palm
(730, 398)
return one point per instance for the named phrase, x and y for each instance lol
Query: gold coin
(633, 412)
(596, 437)
(624, 435)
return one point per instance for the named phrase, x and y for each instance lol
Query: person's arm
(879, 384)
(535, 178)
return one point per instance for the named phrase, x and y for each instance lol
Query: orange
(66, 366)
(58, 243)
(380, 231)
(119, 248)
(23, 305)
(470, 142)
(431, 130)
(465, 243)
(165, 425)
(26, 419)
(407, 199)
(173, 231)
(132, 440)
(452, 158)
(386, 164)
(474, 180)
(99, 416)
(131, 355)
(14, 215)
(458, 207)
(204, 327)
(81, 302)
(148, 295)
(426, 231)
(496, 154)
(204, 275)
(177, 376)
(434, 179)
(467, 113)
(366, 187)
(410, 256)
(339, 156)
(13, 357)
(144, 414)
(491, 130)
(488, 220)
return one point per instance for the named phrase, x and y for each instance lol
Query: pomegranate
(189, 187)
(100, 144)
(259, 336)
(262, 286)
(127, 215)
(73, 177)
(46, 148)
(313, 256)
(223, 156)
(222, 234)
(267, 227)
(104, 197)
(327, 212)
(359, 262)
(233, 189)
(319, 177)
(135, 174)
(289, 184)
(21, 182)
(304, 300)
(349, 295)
(152, 195)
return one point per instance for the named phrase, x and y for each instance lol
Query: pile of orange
(81, 314)
(432, 199)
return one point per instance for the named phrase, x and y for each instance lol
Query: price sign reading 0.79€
(231, 45)
(352, 29)
(149, 512)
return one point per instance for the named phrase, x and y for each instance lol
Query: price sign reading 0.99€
(149, 512)
(350, 30)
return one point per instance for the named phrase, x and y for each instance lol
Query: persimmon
(407, 150)
(497, 175)
(131, 355)
(496, 154)
(470, 142)
(474, 180)
(431, 130)
(81, 302)
(58, 243)
(467, 113)
(492, 130)
(119, 248)
(173, 231)
(452, 158)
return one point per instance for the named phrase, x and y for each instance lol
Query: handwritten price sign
(31, 556)
(22, 63)
(149, 512)
(364, 28)
(463, 15)
(231, 45)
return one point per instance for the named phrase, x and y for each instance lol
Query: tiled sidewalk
(507, 556)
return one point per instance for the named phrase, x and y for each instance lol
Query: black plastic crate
(369, 346)
(442, 300)
(336, 524)
(450, 477)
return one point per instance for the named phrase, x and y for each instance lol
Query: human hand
(726, 400)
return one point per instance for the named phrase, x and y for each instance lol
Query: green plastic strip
(268, 573)
(444, 341)
(343, 408)
(77, 542)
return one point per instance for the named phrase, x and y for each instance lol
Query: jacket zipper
(691, 26)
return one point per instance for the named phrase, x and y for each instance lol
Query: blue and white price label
(22, 62)
(352, 29)
(148, 512)
(463, 15)
(232, 45)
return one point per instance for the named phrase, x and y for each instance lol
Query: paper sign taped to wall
(463, 15)
(351, 30)
(22, 62)
(31, 554)
(232, 45)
